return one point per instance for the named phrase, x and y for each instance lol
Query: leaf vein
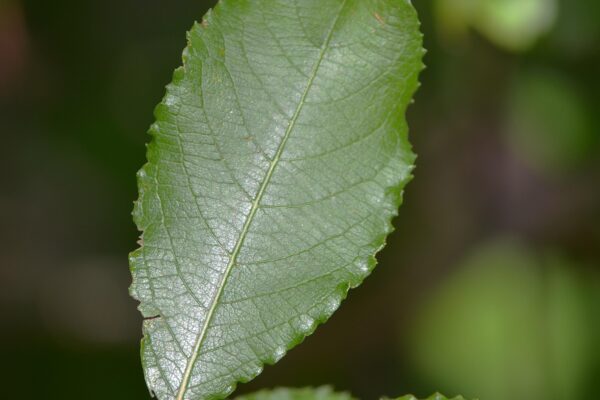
(255, 206)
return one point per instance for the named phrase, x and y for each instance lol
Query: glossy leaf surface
(278, 159)
(321, 393)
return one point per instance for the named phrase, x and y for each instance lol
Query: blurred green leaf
(505, 327)
(578, 31)
(278, 160)
(513, 24)
(549, 122)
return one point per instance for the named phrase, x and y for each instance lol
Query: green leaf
(278, 160)
(436, 396)
(515, 25)
(321, 393)
(509, 297)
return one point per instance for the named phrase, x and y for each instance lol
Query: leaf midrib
(255, 206)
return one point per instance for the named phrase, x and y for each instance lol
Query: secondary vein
(255, 205)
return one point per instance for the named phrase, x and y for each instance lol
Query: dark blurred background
(489, 287)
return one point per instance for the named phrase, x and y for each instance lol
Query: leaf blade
(235, 147)
(255, 204)
(320, 393)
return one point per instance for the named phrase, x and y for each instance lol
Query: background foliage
(494, 267)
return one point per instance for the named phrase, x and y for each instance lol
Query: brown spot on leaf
(379, 18)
